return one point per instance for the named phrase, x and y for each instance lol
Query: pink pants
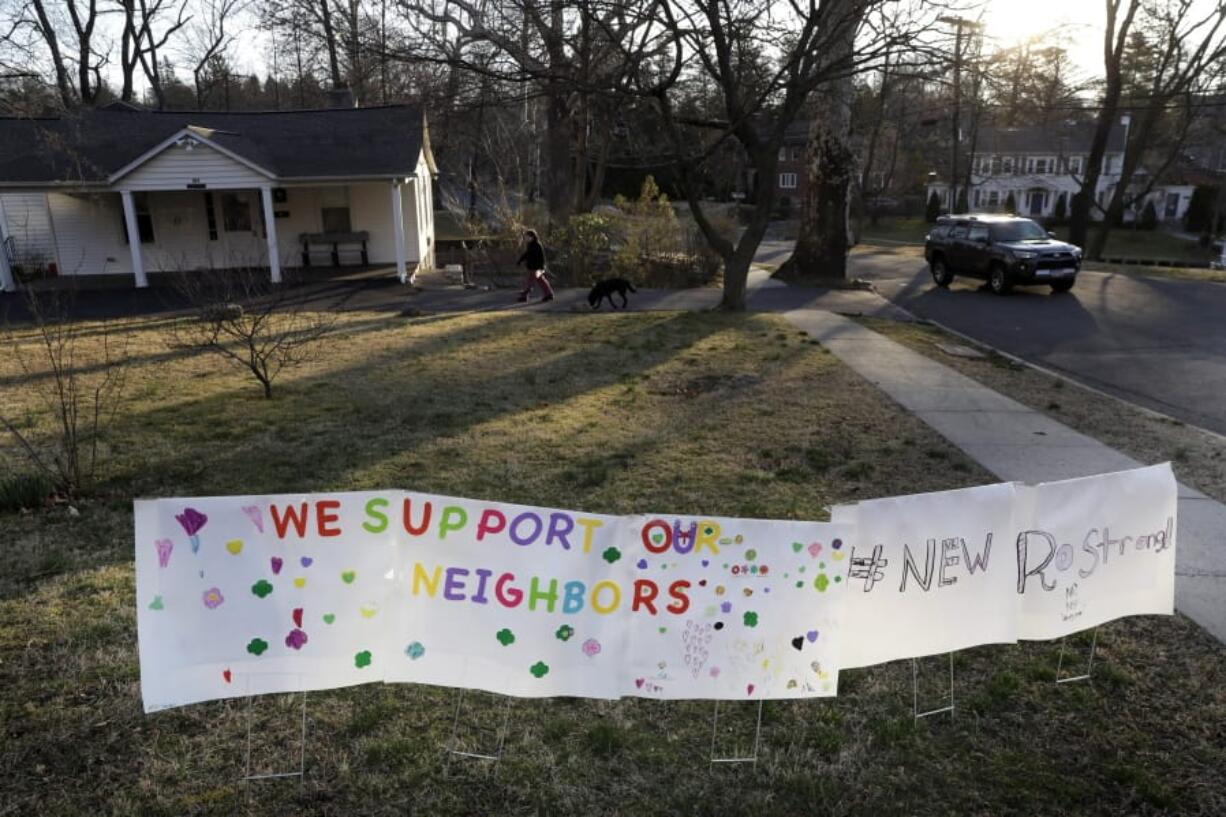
(537, 278)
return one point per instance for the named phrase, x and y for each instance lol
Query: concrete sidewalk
(1016, 442)
(762, 293)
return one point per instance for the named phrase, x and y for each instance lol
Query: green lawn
(722, 414)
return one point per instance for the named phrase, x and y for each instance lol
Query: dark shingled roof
(90, 145)
(1062, 139)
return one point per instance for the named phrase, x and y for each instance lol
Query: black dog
(606, 288)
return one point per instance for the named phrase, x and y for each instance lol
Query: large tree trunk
(334, 65)
(57, 59)
(559, 137)
(737, 263)
(1115, 209)
(1115, 36)
(824, 240)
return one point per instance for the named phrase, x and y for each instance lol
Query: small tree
(75, 375)
(256, 325)
(933, 210)
(651, 230)
(1010, 204)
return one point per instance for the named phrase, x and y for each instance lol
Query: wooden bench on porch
(335, 241)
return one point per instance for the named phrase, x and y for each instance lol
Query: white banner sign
(250, 595)
(930, 573)
(1096, 549)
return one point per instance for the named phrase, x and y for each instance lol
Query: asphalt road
(1157, 342)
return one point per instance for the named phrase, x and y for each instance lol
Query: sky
(1079, 23)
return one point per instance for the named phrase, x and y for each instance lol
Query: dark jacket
(533, 257)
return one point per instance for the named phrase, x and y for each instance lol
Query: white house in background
(209, 190)
(1040, 165)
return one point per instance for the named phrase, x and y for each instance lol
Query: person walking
(534, 259)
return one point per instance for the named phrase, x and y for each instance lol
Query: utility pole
(959, 23)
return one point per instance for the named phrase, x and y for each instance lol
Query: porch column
(270, 227)
(129, 219)
(7, 282)
(402, 269)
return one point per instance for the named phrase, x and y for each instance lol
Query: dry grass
(1216, 276)
(609, 413)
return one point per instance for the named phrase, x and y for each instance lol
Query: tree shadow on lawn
(342, 424)
(355, 427)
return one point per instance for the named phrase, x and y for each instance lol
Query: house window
(783, 154)
(334, 210)
(144, 219)
(993, 198)
(236, 212)
(1074, 164)
(1040, 166)
(978, 198)
(787, 181)
(795, 153)
(1008, 165)
(210, 215)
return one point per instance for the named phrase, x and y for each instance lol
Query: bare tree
(210, 35)
(571, 55)
(1185, 61)
(66, 36)
(256, 325)
(140, 41)
(823, 239)
(76, 376)
(761, 61)
(1120, 17)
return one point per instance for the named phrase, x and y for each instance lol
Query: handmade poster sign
(250, 595)
(1096, 549)
(761, 619)
(930, 573)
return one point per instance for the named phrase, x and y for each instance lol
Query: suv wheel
(1062, 286)
(998, 280)
(940, 273)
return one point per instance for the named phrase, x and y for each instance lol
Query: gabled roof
(92, 145)
(1053, 139)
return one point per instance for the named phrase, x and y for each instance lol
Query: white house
(215, 190)
(1041, 165)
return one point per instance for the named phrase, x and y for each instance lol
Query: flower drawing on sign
(565, 632)
(591, 648)
(213, 598)
(416, 650)
(192, 521)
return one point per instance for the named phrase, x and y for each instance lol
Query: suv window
(940, 231)
(1021, 230)
(958, 232)
(978, 233)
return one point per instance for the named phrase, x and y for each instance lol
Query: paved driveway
(1157, 342)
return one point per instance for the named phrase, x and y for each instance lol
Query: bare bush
(241, 316)
(75, 374)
